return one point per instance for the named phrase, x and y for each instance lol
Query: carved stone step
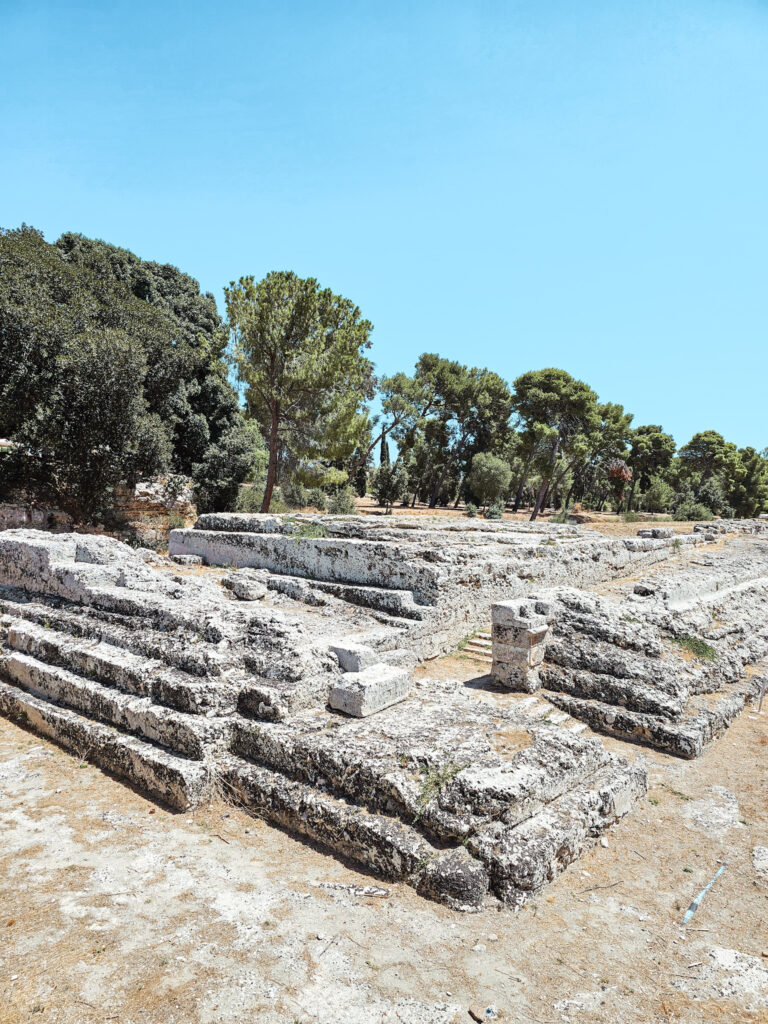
(522, 859)
(191, 735)
(117, 667)
(379, 842)
(135, 635)
(176, 781)
(706, 716)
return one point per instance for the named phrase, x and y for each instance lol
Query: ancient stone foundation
(434, 579)
(288, 687)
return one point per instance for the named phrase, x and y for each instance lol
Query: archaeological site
(278, 662)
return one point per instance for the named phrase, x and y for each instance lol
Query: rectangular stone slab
(364, 693)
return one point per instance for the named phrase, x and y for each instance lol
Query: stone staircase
(141, 717)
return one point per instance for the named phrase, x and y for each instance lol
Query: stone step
(476, 653)
(522, 859)
(176, 781)
(130, 633)
(357, 760)
(380, 843)
(558, 717)
(193, 736)
(706, 717)
(117, 667)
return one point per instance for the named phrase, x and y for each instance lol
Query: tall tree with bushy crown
(300, 353)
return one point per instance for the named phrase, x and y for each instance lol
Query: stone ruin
(281, 676)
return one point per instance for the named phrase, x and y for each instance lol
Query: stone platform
(431, 578)
(169, 680)
(287, 687)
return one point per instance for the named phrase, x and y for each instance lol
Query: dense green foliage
(112, 368)
(489, 478)
(299, 351)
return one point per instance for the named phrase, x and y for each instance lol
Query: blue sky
(511, 184)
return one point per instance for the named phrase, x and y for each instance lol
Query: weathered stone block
(518, 637)
(364, 693)
(516, 676)
(354, 657)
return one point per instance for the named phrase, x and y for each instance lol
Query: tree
(749, 494)
(389, 483)
(489, 478)
(567, 408)
(405, 403)
(240, 454)
(167, 345)
(474, 409)
(708, 454)
(299, 351)
(94, 430)
(651, 451)
(187, 375)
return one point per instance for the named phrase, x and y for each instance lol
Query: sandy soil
(115, 909)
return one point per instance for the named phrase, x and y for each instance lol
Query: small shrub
(631, 517)
(698, 648)
(249, 499)
(294, 494)
(495, 511)
(317, 498)
(561, 517)
(659, 496)
(692, 511)
(176, 522)
(342, 503)
(389, 484)
(470, 510)
(311, 530)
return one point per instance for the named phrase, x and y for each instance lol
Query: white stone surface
(364, 693)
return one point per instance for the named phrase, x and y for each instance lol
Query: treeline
(113, 368)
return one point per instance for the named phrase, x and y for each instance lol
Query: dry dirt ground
(114, 909)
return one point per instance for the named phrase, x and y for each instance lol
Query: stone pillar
(519, 630)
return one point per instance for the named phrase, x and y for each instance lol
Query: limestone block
(246, 586)
(187, 559)
(364, 693)
(529, 657)
(353, 656)
(514, 636)
(516, 676)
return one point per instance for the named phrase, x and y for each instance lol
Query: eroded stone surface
(182, 685)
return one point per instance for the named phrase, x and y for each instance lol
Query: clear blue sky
(510, 184)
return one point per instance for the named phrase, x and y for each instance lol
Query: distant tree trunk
(523, 478)
(631, 494)
(569, 495)
(540, 498)
(272, 466)
(458, 492)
